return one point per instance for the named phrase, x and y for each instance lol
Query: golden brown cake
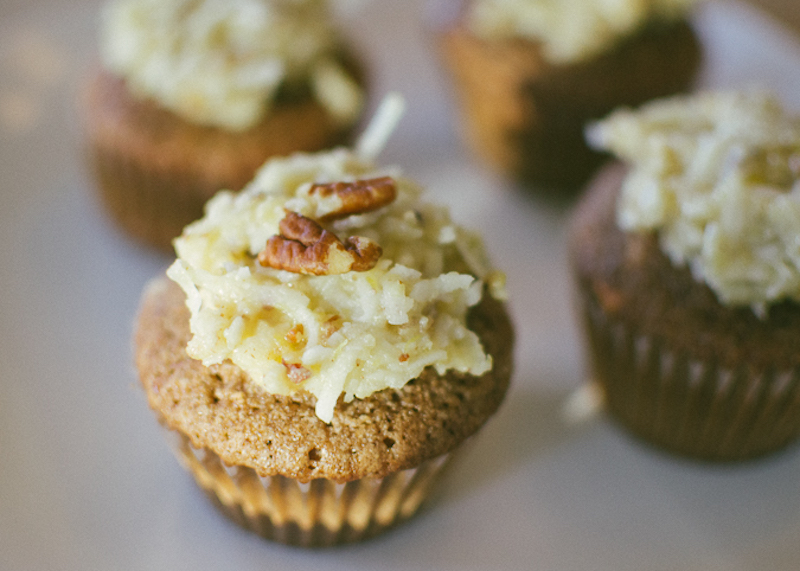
(524, 110)
(316, 402)
(159, 153)
(700, 357)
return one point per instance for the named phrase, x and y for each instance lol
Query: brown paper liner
(689, 406)
(526, 117)
(150, 205)
(319, 513)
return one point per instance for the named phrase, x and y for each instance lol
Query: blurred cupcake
(193, 95)
(688, 273)
(530, 74)
(333, 341)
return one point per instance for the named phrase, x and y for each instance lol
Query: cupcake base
(319, 513)
(688, 406)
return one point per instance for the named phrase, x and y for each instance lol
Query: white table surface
(86, 481)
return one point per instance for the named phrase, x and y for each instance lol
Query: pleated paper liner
(150, 205)
(688, 406)
(319, 513)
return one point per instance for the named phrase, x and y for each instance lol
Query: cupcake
(324, 345)
(193, 96)
(529, 75)
(688, 274)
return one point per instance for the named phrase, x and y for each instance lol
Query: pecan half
(305, 247)
(357, 197)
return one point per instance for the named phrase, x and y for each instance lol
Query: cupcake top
(329, 275)
(223, 62)
(717, 176)
(570, 30)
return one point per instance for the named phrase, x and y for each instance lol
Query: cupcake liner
(692, 407)
(318, 513)
(152, 206)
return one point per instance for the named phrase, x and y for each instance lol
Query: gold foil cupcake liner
(318, 513)
(690, 406)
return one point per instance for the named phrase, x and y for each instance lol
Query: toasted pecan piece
(356, 197)
(305, 247)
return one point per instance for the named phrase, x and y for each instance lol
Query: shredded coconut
(222, 62)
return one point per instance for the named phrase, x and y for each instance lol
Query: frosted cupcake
(530, 74)
(193, 96)
(688, 274)
(326, 342)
